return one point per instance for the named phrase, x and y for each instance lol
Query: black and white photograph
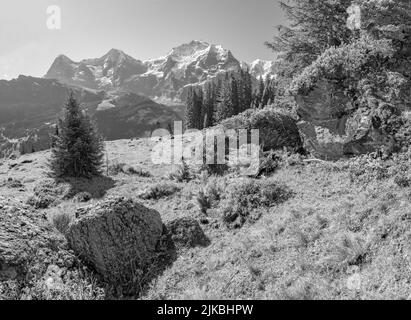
(166, 151)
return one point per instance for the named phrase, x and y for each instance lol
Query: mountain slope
(29, 108)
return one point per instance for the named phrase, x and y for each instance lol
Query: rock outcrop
(119, 238)
(276, 130)
(331, 128)
(26, 238)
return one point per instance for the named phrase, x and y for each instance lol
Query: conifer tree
(224, 101)
(208, 104)
(78, 148)
(194, 114)
(260, 93)
(248, 91)
(234, 97)
(267, 93)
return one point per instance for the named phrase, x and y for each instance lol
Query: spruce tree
(190, 112)
(208, 104)
(234, 97)
(267, 93)
(260, 93)
(194, 114)
(247, 91)
(224, 108)
(78, 149)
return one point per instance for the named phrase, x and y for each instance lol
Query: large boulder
(119, 238)
(330, 127)
(276, 130)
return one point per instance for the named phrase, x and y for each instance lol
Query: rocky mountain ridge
(165, 77)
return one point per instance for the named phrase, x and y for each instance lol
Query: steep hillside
(343, 233)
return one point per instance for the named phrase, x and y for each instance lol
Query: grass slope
(343, 234)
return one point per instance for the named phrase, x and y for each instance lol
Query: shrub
(367, 168)
(159, 191)
(46, 193)
(248, 195)
(348, 250)
(14, 183)
(41, 201)
(401, 181)
(211, 193)
(203, 201)
(62, 220)
(138, 172)
(182, 174)
(118, 168)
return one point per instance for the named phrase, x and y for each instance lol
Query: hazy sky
(142, 28)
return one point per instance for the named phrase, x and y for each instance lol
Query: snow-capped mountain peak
(187, 64)
(262, 68)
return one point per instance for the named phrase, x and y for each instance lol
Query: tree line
(228, 96)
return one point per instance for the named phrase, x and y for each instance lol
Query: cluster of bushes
(371, 167)
(158, 191)
(46, 194)
(242, 201)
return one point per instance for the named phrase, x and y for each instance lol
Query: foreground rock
(29, 247)
(119, 238)
(24, 234)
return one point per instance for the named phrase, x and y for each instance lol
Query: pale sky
(142, 28)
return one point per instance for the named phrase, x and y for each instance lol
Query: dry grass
(343, 234)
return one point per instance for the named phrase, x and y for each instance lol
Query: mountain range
(128, 98)
(164, 77)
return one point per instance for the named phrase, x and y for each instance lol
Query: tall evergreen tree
(260, 93)
(315, 25)
(234, 97)
(194, 114)
(268, 91)
(208, 104)
(224, 101)
(248, 91)
(78, 148)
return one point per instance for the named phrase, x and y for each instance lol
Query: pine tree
(190, 112)
(234, 97)
(224, 108)
(241, 91)
(194, 114)
(260, 93)
(267, 93)
(208, 104)
(199, 109)
(78, 149)
(248, 91)
(315, 25)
